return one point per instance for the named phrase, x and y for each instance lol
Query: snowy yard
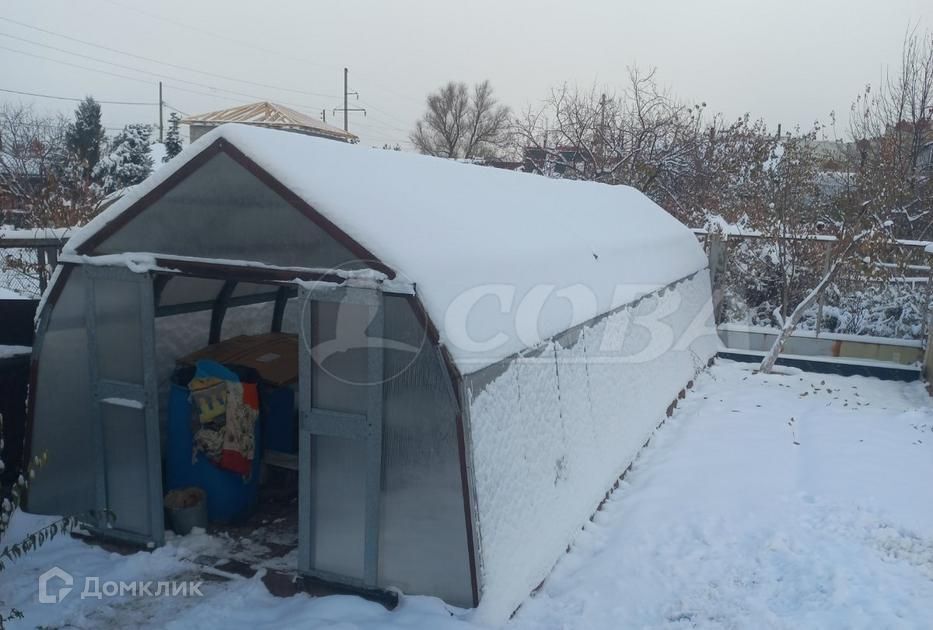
(795, 500)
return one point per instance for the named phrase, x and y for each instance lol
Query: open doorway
(206, 329)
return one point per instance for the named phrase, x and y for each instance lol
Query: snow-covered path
(784, 501)
(726, 522)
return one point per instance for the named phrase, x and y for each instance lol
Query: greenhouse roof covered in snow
(468, 237)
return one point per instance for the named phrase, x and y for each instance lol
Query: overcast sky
(791, 61)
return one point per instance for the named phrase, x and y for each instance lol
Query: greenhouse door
(340, 453)
(121, 366)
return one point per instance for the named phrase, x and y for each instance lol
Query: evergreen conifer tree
(85, 136)
(172, 138)
(128, 162)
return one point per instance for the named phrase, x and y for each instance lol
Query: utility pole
(161, 118)
(346, 108)
(161, 128)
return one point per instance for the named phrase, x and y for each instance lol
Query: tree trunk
(790, 323)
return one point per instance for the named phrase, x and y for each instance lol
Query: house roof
(499, 259)
(273, 115)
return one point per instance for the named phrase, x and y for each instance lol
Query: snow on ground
(782, 501)
(725, 522)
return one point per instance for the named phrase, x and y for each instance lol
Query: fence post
(717, 269)
(927, 332)
(819, 307)
(43, 276)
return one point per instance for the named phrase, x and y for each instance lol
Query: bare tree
(37, 171)
(462, 123)
(893, 129)
(854, 224)
(885, 190)
(643, 137)
(41, 179)
(729, 164)
(690, 163)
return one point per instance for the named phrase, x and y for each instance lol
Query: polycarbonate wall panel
(187, 290)
(552, 430)
(422, 526)
(62, 426)
(337, 473)
(252, 319)
(124, 433)
(223, 211)
(290, 317)
(252, 288)
(423, 542)
(338, 500)
(339, 359)
(119, 338)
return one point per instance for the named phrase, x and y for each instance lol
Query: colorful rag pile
(224, 411)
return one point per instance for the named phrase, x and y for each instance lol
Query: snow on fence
(28, 257)
(750, 283)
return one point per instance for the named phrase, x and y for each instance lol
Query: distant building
(835, 155)
(269, 115)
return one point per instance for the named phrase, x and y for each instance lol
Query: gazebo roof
(272, 115)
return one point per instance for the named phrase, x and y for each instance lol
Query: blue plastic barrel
(277, 408)
(230, 496)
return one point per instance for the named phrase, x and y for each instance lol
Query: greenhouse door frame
(128, 394)
(366, 428)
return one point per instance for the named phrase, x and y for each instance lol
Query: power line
(75, 99)
(248, 44)
(132, 68)
(74, 65)
(390, 121)
(147, 82)
(385, 88)
(242, 43)
(380, 132)
(115, 74)
(151, 60)
(48, 126)
(175, 109)
(129, 78)
(238, 42)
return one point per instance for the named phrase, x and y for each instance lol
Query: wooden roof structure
(273, 116)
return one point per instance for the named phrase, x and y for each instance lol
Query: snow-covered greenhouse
(471, 357)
